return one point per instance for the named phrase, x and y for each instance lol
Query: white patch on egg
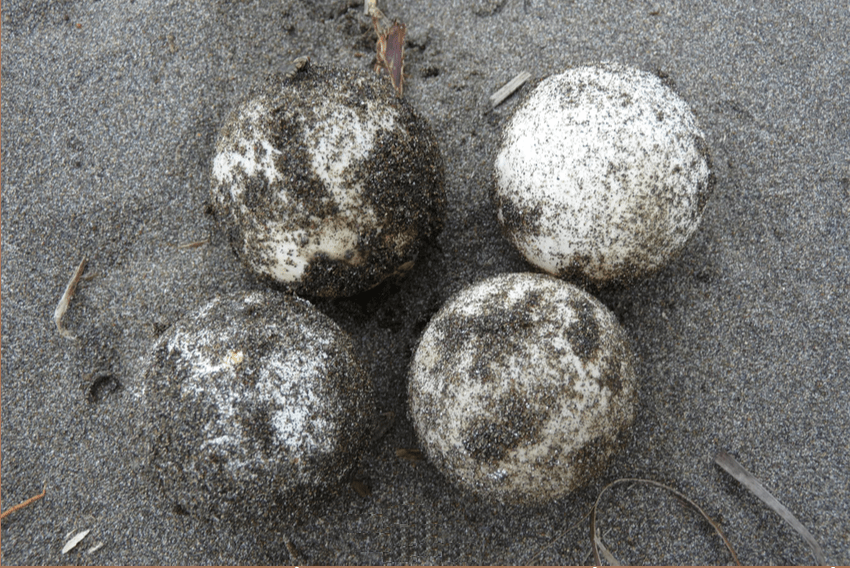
(245, 159)
(336, 138)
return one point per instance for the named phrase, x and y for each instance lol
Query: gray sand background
(110, 111)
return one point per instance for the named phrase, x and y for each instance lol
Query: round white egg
(603, 174)
(327, 182)
(255, 407)
(521, 388)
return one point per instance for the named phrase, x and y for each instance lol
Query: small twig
(499, 96)
(293, 552)
(24, 504)
(361, 488)
(95, 548)
(66, 299)
(389, 49)
(610, 558)
(371, 9)
(195, 244)
(748, 480)
(413, 455)
(593, 541)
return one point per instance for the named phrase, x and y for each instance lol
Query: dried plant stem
(745, 478)
(372, 10)
(681, 496)
(192, 245)
(293, 552)
(610, 558)
(508, 89)
(66, 299)
(24, 504)
(75, 540)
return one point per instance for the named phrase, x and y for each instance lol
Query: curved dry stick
(596, 558)
(66, 300)
(24, 504)
(748, 480)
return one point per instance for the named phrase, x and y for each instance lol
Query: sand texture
(110, 112)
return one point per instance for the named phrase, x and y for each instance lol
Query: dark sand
(110, 112)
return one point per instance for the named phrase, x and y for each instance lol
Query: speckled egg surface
(521, 388)
(327, 182)
(602, 174)
(255, 406)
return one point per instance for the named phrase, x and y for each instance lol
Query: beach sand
(110, 111)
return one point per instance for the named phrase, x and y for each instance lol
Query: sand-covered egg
(327, 182)
(602, 174)
(254, 407)
(521, 388)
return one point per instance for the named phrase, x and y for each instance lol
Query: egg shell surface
(603, 174)
(326, 182)
(521, 388)
(256, 406)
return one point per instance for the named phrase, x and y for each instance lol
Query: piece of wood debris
(609, 558)
(95, 548)
(24, 504)
(75, 540)
(293, 552)
(195, 244)
(390, 45)
(413, 455)
(594, 534)
(390, 53)
(748, 480)
(66, 300)
(370, 8)
(361, 488)
(382, 425)
(499, 96)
